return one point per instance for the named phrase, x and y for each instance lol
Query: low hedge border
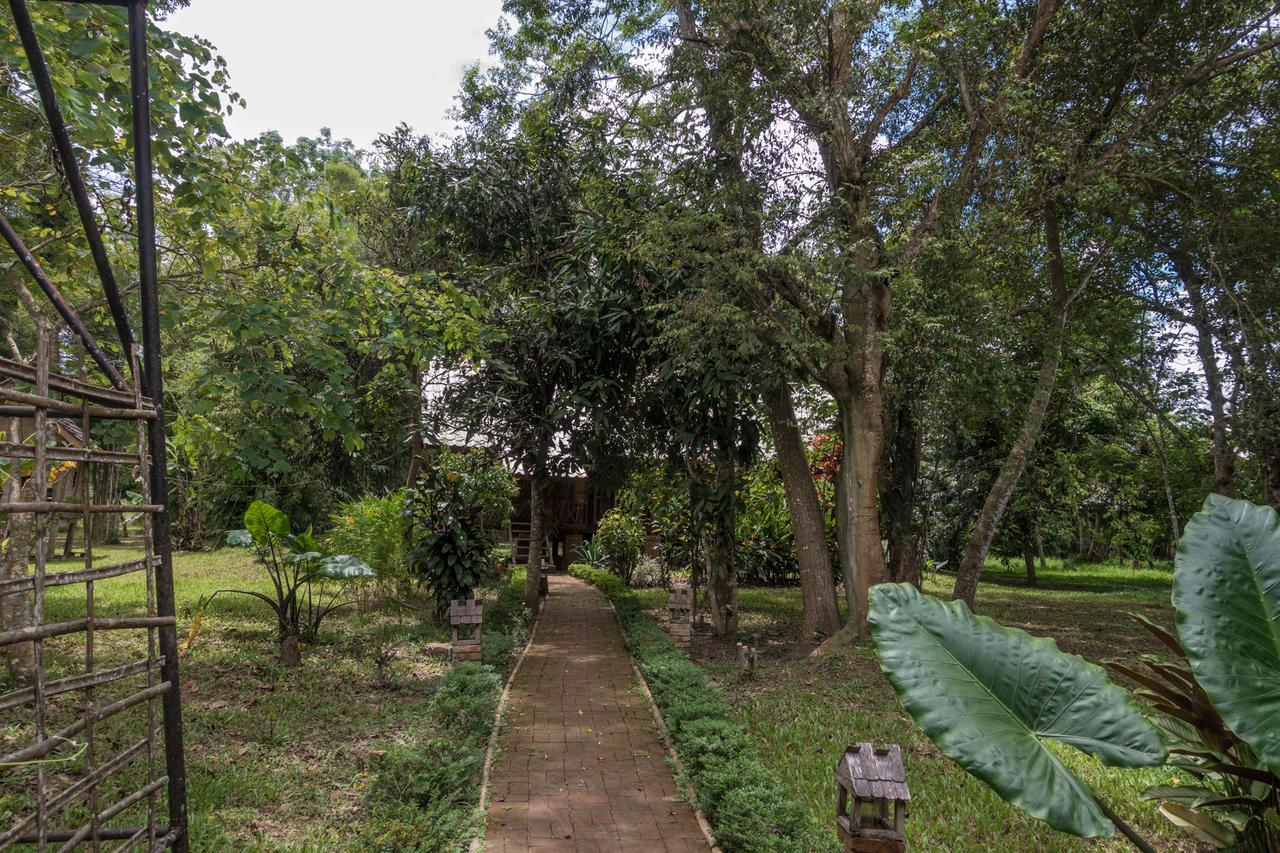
(748, 809)
(427, 795)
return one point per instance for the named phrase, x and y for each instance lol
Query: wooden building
(573, 508)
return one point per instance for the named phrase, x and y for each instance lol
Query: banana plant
(992, 698)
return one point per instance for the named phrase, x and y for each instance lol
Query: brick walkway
(580, 765)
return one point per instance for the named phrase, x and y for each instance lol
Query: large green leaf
(262, 519)
(1226, 588)
(344, 567)
(989, 696)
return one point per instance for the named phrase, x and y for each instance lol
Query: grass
(801, 711)
(277, 759)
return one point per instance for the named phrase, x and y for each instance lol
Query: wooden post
(462, 614)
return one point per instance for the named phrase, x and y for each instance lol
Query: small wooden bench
(466, 640)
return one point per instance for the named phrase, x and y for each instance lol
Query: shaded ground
(802, 711)
(581, 766)
(276, 758)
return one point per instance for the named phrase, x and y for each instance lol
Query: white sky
(357, 67)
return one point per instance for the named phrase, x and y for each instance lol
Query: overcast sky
(355, 67)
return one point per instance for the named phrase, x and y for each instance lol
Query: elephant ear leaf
(261, 519)
(1226, 588)
(990, 696)
(344, 567)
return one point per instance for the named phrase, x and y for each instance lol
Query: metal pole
(60, 302)
(71, 167)
(153, 384)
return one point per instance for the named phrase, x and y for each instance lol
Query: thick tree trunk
(984, 530)
(858, 514)
(533, 566)
(821, 615)
(899, 497)
(722, 575)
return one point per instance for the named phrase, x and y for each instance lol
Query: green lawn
(803, 710)
(276, 758)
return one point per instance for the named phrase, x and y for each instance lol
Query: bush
(620, 538)
(373, 529)
(451, 540)
(747, 807)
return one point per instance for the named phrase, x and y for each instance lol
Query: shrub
(306, 583)
(451, 543)
(747, 807)
(505, 623)
(373, 529)
(620, 538)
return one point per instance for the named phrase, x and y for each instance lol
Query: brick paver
(581, 765)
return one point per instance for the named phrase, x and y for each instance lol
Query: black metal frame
(147, 410)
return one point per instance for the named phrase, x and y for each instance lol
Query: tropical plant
(299, 571)
(1212, 709)
(620, 538)
(1216, 700)
(590, 553)
(995, 724)
(451, 543)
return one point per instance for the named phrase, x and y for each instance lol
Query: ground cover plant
(306, 758)
(747, 807)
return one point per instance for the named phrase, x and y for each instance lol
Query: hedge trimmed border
(748, 809)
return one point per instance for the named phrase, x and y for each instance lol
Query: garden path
(581, 765)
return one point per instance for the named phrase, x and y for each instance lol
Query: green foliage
(995, 723)
(451, 540)
(424, 795)
(620, 538)
(1226, 588)
(747, 807)
(766, 541)
(298, 572)
(506, 621)
(1213, 704)
(373, 529)
(486, 484)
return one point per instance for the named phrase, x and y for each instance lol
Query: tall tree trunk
(821, 615)
(722, 577)
(984, 530)
(1040, 546)
(899, 496)
(533, 566)
(857, 510)
(1224, 457)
